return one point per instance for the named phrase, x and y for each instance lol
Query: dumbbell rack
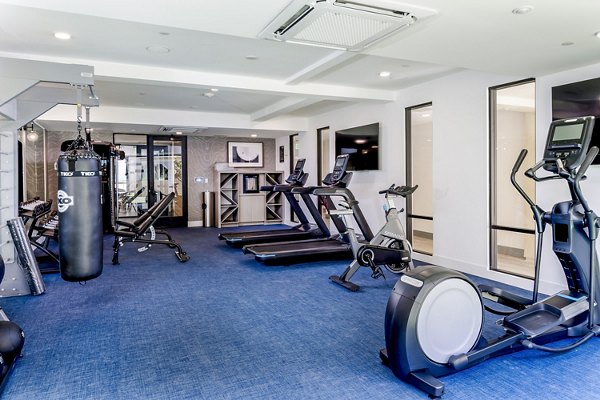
(43, 227)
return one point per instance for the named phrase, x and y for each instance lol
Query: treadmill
(304, 230)
(337, 246)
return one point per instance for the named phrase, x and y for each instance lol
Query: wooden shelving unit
(236, 207)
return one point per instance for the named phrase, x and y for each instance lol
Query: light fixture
(62, 35)
(158, 49)
(360, 141)
(179, 133)
(597, 34)
(214, 89)
(251, 57)
(522, 10)
(425, 115)
(253, 135)
(208, 94)
(385, 74)
(31, 135)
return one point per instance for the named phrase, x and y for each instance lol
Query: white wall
(460, 171)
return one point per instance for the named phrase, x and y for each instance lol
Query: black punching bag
(80, 215)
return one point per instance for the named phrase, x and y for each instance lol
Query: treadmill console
(298, 172)
(568, 139)
(339, 169)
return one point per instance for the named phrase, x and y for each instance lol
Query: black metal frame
(409, 182)
(494, 228)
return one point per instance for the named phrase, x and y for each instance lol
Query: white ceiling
(210, 40)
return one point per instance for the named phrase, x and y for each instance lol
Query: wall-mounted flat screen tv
(361, 143)
(579, 99)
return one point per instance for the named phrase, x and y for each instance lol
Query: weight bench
(137, 230)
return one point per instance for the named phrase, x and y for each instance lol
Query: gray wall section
(203, 152)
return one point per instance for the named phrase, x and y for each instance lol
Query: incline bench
(137, 230)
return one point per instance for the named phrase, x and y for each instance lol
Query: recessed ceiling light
(522, 10)
(158, 49)
(253, 135)
(62, 35)
(360, 141)
(208, 94)
(179, 133)
(567, 43)
(597, 34)
(385, 74)
(214, 90)
(251, 57)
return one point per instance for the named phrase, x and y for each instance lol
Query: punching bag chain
(79, 142)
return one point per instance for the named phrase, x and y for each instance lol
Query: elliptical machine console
(435, 315)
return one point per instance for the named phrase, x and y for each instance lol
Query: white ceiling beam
(324, 64)
(281, 107)
(147, 116)
(118, 72)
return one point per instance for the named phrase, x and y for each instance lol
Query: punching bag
(80, 215)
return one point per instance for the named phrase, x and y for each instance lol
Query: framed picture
(250, 183)
(243, 154)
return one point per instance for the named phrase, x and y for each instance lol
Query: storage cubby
(239, 203)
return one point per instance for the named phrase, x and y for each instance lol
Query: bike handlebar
(399, 190)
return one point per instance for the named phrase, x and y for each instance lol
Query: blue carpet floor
(222, 326)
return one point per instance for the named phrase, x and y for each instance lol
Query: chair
(137, 230)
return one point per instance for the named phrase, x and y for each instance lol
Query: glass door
(153, 167)
(323, 164)
(168, 174)
(512, 128)
(419, 168)
(294, 155)
(132, 175)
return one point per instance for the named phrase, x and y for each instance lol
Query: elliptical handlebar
(589, 158)
(529, 173)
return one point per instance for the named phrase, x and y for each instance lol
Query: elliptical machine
(434, 316)
(388, 247)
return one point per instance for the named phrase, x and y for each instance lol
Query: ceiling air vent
(342, 24)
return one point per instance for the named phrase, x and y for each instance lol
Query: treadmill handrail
(334, 191)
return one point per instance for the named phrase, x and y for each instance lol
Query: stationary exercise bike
(388, 247)
(434, 316)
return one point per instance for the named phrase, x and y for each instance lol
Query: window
(512, 128)
(419, 171)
